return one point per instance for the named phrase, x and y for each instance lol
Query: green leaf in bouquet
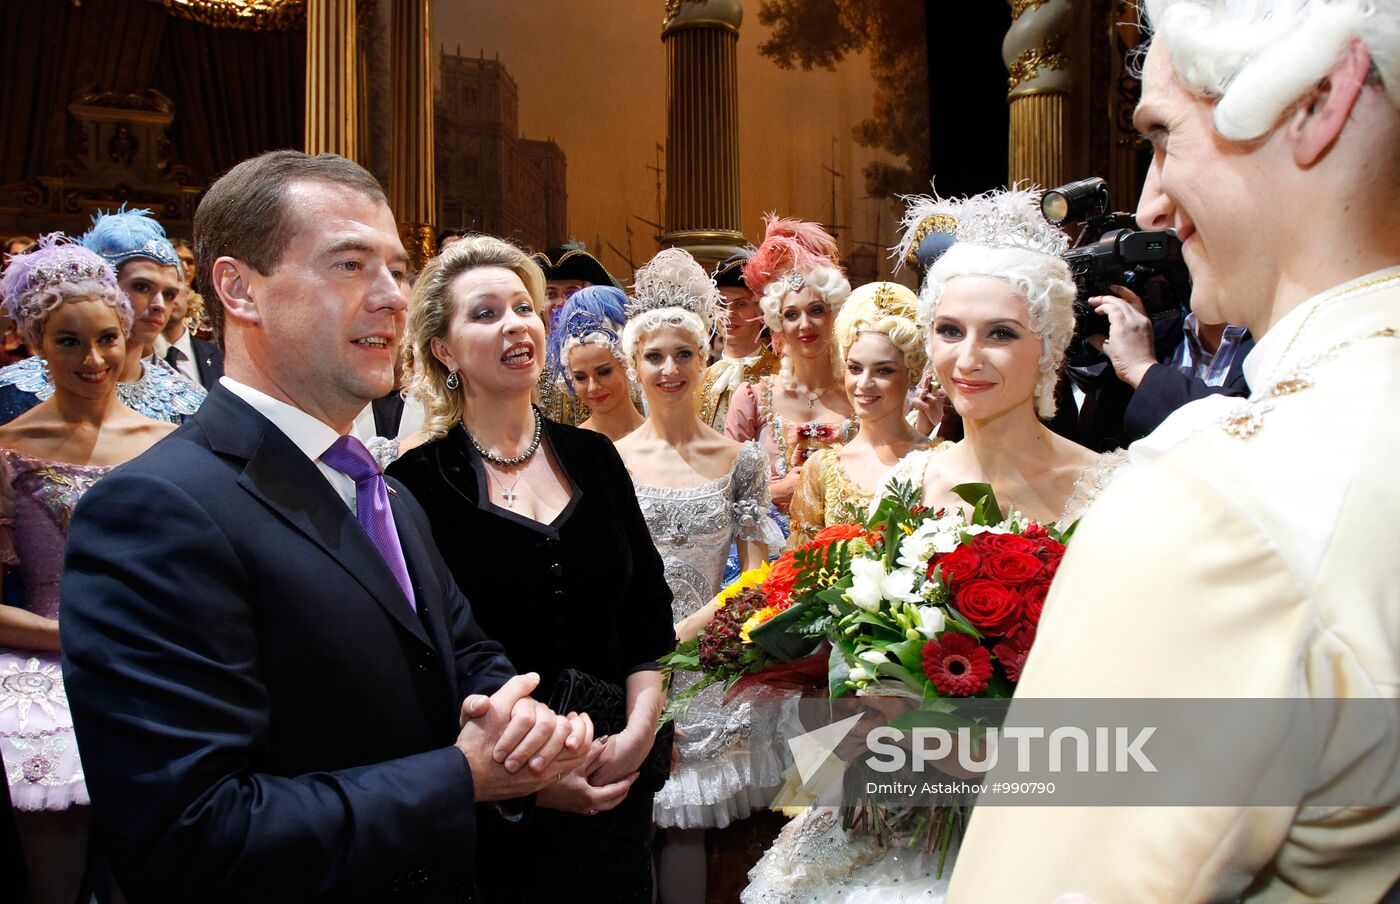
(1062, 536)
(838, 670)
(779, 637)
(815, 621)
(914, 680)
(881, 630)
(983, 501)
(684, 658)
(958, 622)
(931, 717)
(910, 653)
(678, 703)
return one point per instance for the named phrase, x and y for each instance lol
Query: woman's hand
(622, 756)
(927, 403)
(783, 488)
(575, 794)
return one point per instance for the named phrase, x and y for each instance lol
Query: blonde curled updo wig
(892, 311)
(431, 307)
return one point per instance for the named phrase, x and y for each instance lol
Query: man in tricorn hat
(567, 269)
(747, 355)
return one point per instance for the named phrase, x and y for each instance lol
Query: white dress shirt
(309, 434)
(186, 366)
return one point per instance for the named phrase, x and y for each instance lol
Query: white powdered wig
(1258, 57)
(1042, 279)
(671, 289)
(829, 282)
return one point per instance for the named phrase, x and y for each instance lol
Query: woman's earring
(452, 381)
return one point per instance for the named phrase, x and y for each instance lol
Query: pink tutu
(36, 733)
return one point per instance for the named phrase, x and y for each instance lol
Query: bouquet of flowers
(939, 604)
(750, 634)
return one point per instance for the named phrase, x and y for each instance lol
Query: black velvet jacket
(586, 592)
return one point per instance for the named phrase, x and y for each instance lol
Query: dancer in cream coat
(1256, 557)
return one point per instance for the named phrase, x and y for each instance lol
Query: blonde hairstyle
(892, 311)
(431, 308)
(1259, 57)
(1043, 280)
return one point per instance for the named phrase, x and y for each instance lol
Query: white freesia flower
(859, 674)
(865, 591)
(875, 657)
(933, 535)
(899, 585)
(931, 620)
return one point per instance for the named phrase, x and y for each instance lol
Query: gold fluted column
(332, 79)
(702, 128)
(1044, 54)
(412, 176)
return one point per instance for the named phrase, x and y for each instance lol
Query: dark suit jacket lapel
(420, 569)
(289, 483)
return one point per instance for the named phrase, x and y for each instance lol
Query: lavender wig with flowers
(57, 271)
(594, 315)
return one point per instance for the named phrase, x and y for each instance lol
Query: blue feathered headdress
(119, 237)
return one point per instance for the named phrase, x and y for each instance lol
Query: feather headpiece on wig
(33, 284)
(1009, 219)
(119, 237)
(57, 259)
(674, 279)
(593, 314)
(929, 228)
(790, 246)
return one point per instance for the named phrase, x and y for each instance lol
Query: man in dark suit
(197, 360)
(278, 690)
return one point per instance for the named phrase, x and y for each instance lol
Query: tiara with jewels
(582, 326)
(69, 269)
(790, 282)
(1009, 219)
(674, 279)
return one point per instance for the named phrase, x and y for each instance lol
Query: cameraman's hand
(1128, 345)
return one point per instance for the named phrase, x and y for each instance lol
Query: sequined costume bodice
(161, 394)
(37, 499)
(693, 529)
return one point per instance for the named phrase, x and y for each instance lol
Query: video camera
(1112, 251)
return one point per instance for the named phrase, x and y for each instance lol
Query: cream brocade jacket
(1257, 558)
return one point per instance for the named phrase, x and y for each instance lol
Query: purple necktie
(350, 457)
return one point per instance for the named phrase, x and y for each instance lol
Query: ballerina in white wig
(998, 307)
(699, 492)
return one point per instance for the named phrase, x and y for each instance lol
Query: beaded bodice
(161, 393)
(36, 502)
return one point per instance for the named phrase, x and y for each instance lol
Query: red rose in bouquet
(989, 544)
(1033, 602)
(989, 605)
(957, 665)
(1011, 567)
(1012, 652)
(959, 566)
(1050, 554)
